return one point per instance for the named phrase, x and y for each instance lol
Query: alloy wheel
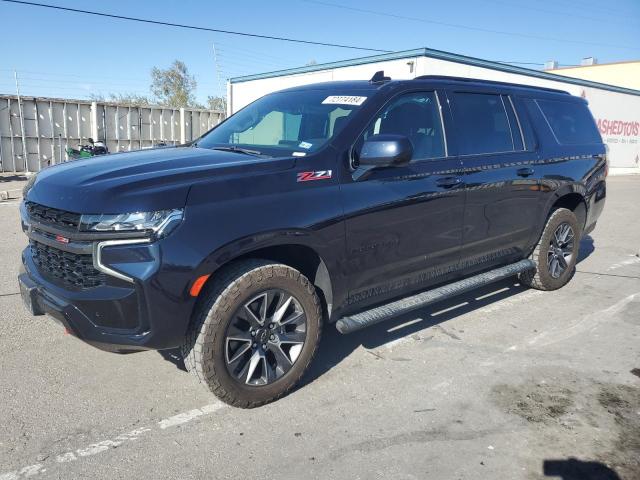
(265, 338)
(560, 250)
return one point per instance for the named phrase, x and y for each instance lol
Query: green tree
(174, 86)
(130, 98)
(126, 98)
(217, 103)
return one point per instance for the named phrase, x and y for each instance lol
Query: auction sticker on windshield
(344, 100)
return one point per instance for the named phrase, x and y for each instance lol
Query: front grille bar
(79, 248)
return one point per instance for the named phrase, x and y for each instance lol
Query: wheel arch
(570, 197)
(303, 258)
(573, 201)
(277, 247)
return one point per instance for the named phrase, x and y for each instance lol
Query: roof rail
(379, 77)
(491, 82)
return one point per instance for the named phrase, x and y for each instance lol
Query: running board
(385, 312)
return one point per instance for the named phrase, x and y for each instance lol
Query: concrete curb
(11, 194)
(618, 171)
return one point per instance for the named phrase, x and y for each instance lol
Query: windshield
(286, 123)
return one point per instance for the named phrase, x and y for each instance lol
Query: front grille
(53, 216)
(69, 269)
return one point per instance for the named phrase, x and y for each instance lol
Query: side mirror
(386, 150)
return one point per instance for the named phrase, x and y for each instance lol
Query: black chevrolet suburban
(340, 203)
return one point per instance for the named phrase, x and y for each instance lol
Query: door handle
(525, 172)
(448, 182)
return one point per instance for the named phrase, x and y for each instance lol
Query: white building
(616, 109)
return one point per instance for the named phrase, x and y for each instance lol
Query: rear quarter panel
(566, 169)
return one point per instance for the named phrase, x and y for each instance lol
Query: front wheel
(256, 333)
(556, 253)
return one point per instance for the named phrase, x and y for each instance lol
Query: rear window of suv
(570, 122)
(487, 124)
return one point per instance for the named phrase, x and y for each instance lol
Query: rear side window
(483, 125)
(571, 122)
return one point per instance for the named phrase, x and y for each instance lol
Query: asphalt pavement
(502, 383)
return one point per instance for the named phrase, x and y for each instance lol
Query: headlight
(159, 223)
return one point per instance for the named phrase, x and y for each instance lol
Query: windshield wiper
(235, 149)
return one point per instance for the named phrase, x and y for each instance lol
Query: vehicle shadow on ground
(575, 469)
(12, 178)
(335, 347)
(587, 247)
(174, 356)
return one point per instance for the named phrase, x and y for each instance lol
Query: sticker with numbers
(344, 100)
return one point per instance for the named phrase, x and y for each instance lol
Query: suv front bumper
(150, 310)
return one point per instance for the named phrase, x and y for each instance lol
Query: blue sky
(71, 55)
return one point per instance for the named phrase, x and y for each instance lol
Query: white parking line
(585, 324)
(509, 302)
(24, 472)
(190, 415)
(116, 442)
(632, 260)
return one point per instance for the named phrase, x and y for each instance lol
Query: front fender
(259, 241)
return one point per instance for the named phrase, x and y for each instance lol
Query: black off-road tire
(540, 278)
(204, 347)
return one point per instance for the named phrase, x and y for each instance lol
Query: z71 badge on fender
(317, 175)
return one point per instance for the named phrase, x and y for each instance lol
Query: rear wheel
(256, 333)
(556, 253)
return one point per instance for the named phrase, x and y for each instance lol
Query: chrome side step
(385, 312)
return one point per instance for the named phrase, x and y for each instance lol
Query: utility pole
(222, 95)
(25, 155)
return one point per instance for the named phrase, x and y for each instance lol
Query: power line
(193, 27)
(87, 12)
(603, 7)
(511, 4)
(89, 80)
(456, 25)
(84, 78)
(248, 60)
(251, 57)
(229, 46)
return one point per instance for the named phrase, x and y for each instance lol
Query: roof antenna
(379, 77)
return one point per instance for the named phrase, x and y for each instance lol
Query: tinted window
(482, 124)
(571, 122)
(286, 123)
(416, 116)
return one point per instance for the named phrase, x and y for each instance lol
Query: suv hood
(145, 180)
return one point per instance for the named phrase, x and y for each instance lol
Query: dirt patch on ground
(606, 413)
(536, 403)
(623, 403)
